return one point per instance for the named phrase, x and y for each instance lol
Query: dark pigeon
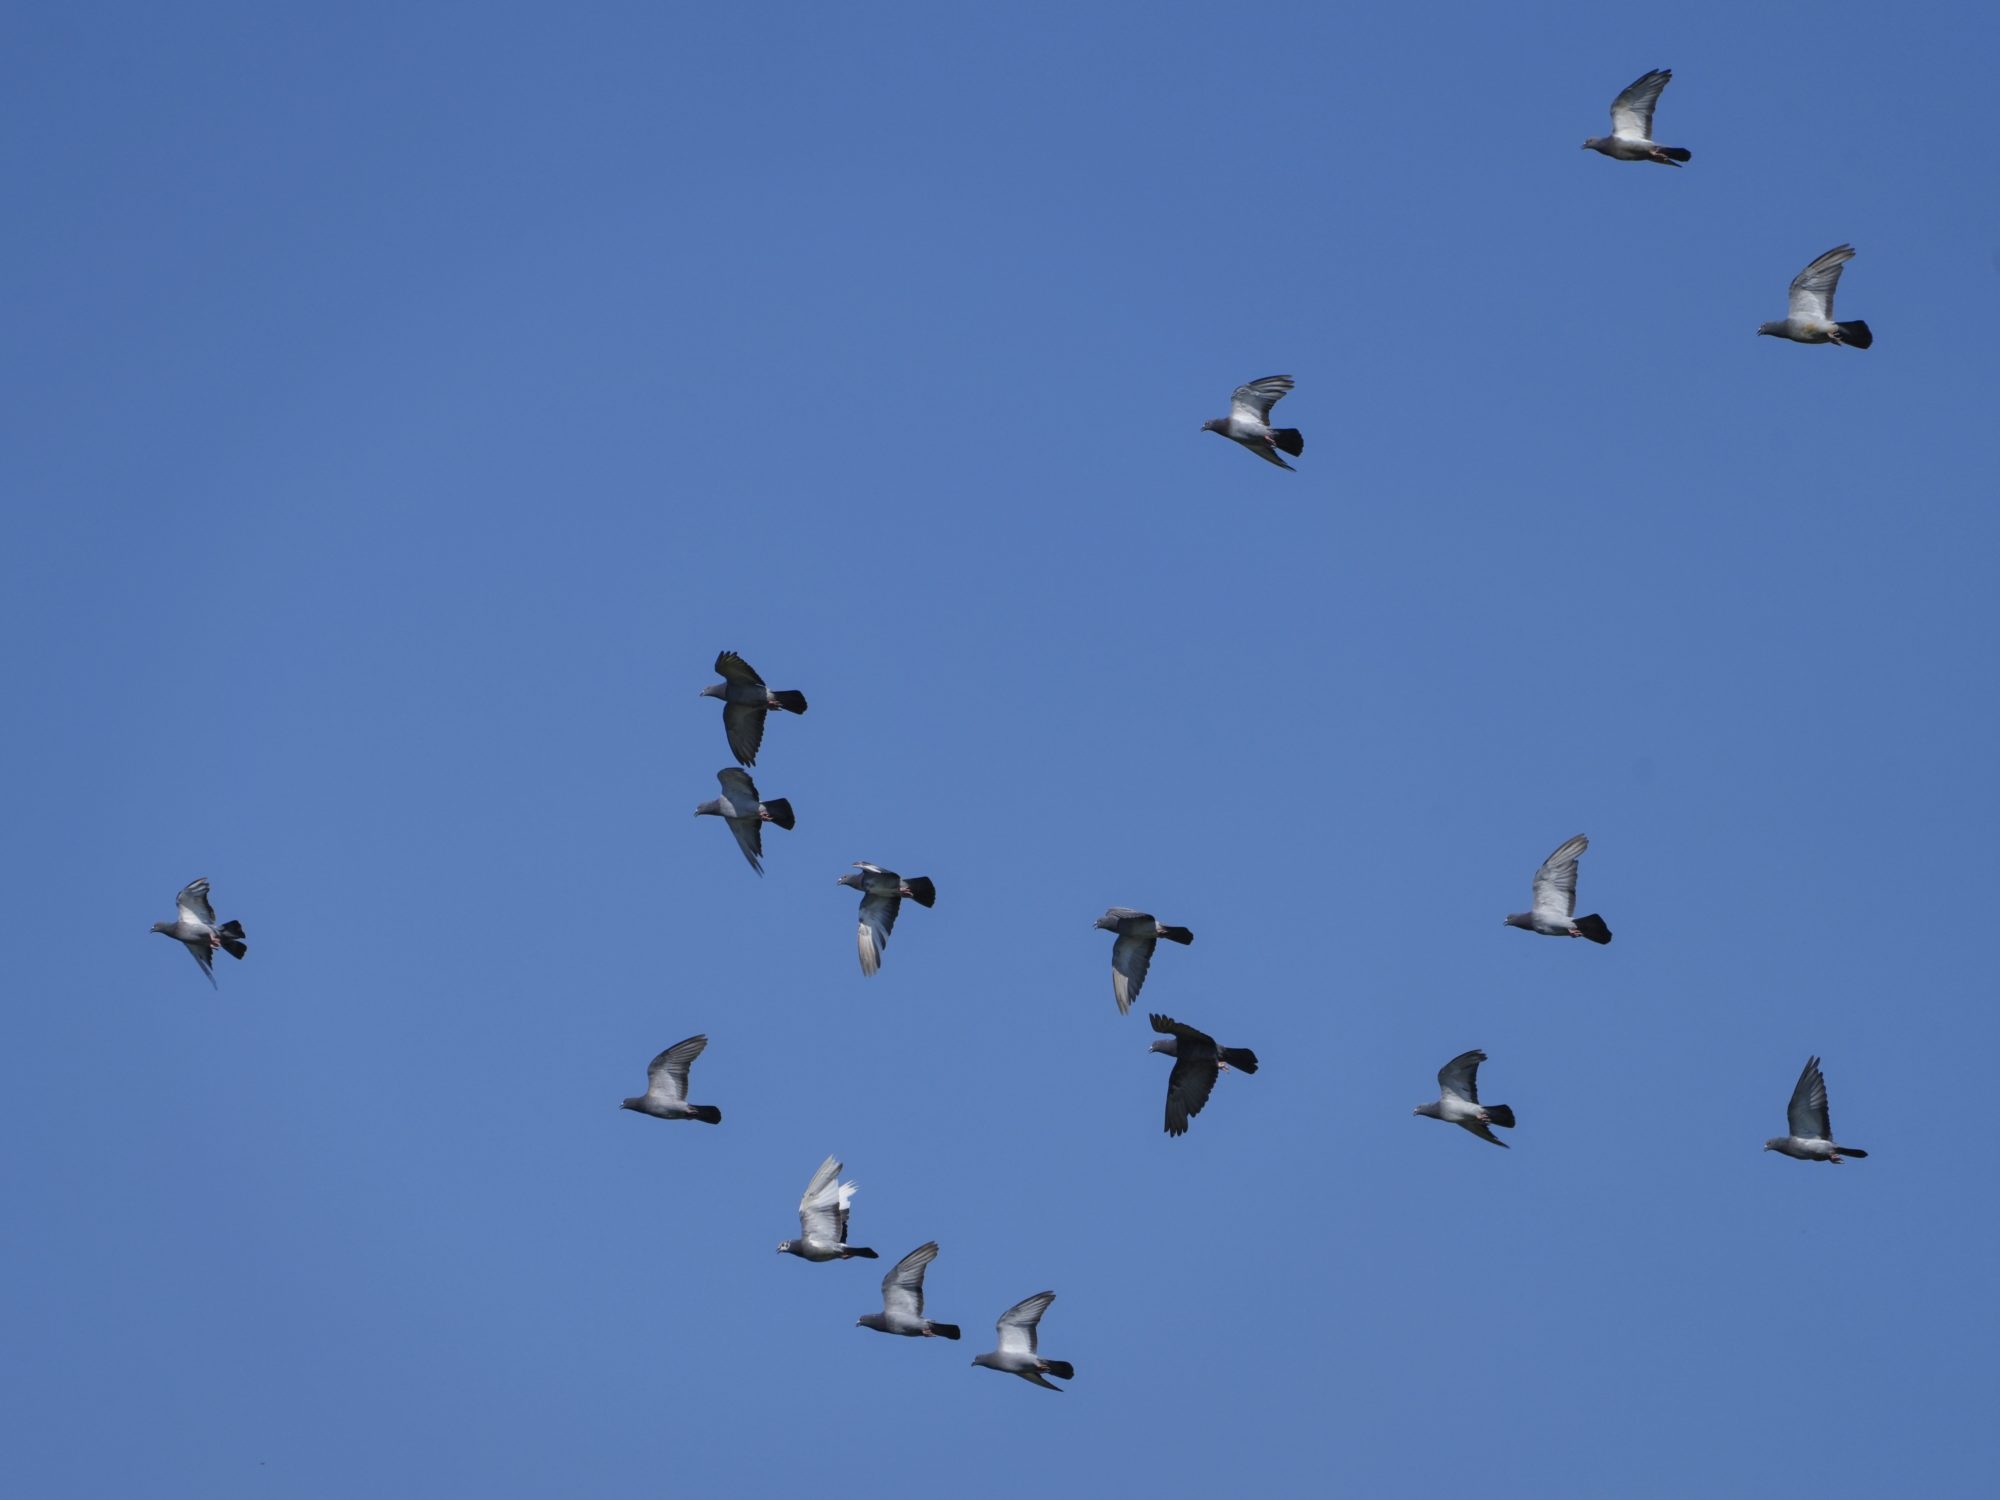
(195, 925)
(1809, 313)
(903, 1300)
(1811, 1126)
(882, 893)
(1249, 419)
(1197, 1061)
(745, 700)
(823, 1219)
(1458, 1099)
(667, 1086)
(1018, 1342)
(1631, 137)
(746, 816)
(1555, 899)
(1138, 935)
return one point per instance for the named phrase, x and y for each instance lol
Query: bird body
(1631, 137)
(1554, 914)
(882, 893)
(1458, 1103)
(823, 1210)
(745, 701)
(667, 1086)
(1249, 422)
(1138, 935)
(738, 806)
(1811, 1123)
(1197, 1062)
(194, 925)
(1809, 310)
(1017, 1352)
(903, 1300)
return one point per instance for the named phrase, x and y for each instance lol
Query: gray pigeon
(1809, 314)
(882, 893)
(1249, 419)
(823, 1219)
(1812, 1131)
(1016, 1354)
(1631, 137)
(1458, 1099)
(1555, 899)
(196, 926)
(1197, 1061)
(1132, 954)
(745, 700)
(903, 1300)
(667, 1086)
(746, 816)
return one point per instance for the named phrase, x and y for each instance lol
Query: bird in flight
(195, 925)
(1138, 935)
(745, 701)
(1812, 1128)
(1018, 1341)
(1249, 421)
(1809, 312)
(1631, 137)
(882, 893)
(667, 1086)
(903, 1300)
(823, 1219)
(746, 816)
(1458, 1099)
(1555, 899)
(1197, 1062)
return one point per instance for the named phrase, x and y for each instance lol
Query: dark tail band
(1850, 1151)
(1856, 334)
(1177, 934)
(708, 1114)
(921, 890)
(231, 934)
(1062, 1369)
(791, 701)
(1593, 928)
(853, 1252)
(779, 811)
(1240, 1058)
(1500, 1114)
(1676, 153)
(942, 1330)
(1289, 439)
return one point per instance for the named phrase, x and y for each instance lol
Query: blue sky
(402, 410)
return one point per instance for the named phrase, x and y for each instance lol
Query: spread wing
(667, 1074)
(1632, 111)
(823, 1208)
(744, 724)
(1460, 1076)
(1253, 402)
(204, 956)
(193, 903)
(739, 789)
(1017, 1323)
(1188, 1088)
(1130, 958)
(1812, 288)
(1555, 881)
(750, 839)
(735, 669)
(1807, 1113)
(903, 1287)
(878, 920)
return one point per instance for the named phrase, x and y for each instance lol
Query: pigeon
(1197, 1060)
(823, 1219)
(1812, 1132)
(746, 816)
(1458, 1099)
(667, 1086)
(196, 926)
(1248, 421)
(1809, 318)
(882, 893)
(745, 700)
(1631, 137)
(1016, 1354)
(903, 1300)
(1132, 954)
(1555, 899)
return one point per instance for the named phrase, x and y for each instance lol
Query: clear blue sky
(404, 405)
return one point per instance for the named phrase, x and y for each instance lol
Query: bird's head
(631, 1103)
(1774, 1143)
(1216, 424)
(852, 882)
(784, 1247)
(1167, 1044)
(715, 690)
(1774, 329)
(166, 927)
(1518, 919)
(1106, 924)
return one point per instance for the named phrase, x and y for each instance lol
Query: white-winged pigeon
(667, 1086)
(196, 927)
(823, 1219)
(1555, 899)
(1249, 421)
(903, 1300)
(1809, 309)
(1018, 1342)
(1631, 137)
(1458, 1099)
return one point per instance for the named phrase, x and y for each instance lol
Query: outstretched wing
(193, 903)
(204, 956)
(823, 1206)
(1632, 111)
(1017, 1323)
(738, 789)
(1807, 1113)
(903, 1287)
(735, 669)
(1188, 1088)
(667, 1074)
(1460, 1076)
(744, 724)
(1555, 881)
(1253, 402)
(1812, 288)
(878, 920)
(1130, 958)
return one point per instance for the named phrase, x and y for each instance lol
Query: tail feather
(707, 1113)
(1593, 928)
(779, 811)
(942, 1330)
(1677, 153)
(1240, 1058)
(1500, 1114)
(1851, 1151)
(791, 701)
(231, 934)
(1289, 439)
(1856, 334)
(1176, 934)
(921, 890)
(856, 1252)
(1062, 1369)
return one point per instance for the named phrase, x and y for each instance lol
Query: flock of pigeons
(1199, 1060)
